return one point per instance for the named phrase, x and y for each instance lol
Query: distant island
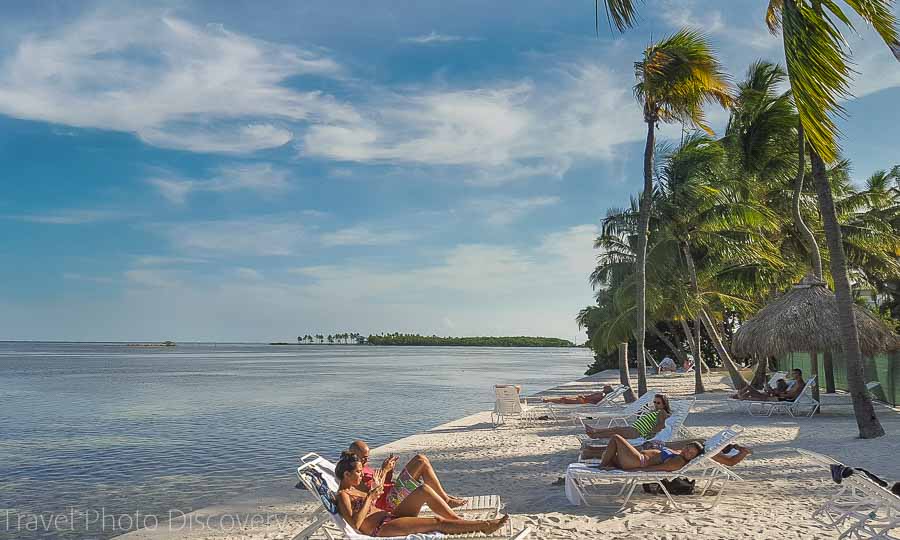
(161, 344)
(397, 338)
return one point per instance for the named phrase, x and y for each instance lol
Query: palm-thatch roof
(806, 319)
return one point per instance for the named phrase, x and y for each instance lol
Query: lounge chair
(486, 506)
(860, 507)
(581, 477)
(508, 404)
(560, 411)
(739, 404)
(673, 430)
(319, 481)
(803, 405)
(623, 416)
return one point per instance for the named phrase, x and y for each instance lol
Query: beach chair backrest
(321, 482)
(680, 410)
(806, 394)
(773, 380)
(713, 446)
(507, 400)
(642, 404)
(617, 392)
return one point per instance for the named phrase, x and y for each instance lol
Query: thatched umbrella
(806, 319)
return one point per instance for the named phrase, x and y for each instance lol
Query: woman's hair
(346, 464)
(699, 447)
(665, 401)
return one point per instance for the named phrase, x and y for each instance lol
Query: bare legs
(421, 470)
(413, 503)
(748, 392)
(605, 433)
(622, 455)
(412, 525)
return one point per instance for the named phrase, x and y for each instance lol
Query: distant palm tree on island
(397, 338)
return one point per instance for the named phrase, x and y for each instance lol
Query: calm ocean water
(87, 427)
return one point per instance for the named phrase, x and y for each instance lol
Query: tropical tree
(675, 78)
(818, 65)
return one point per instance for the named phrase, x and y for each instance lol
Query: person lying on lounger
(783, 391)
(358, 508)
(647, 425)
(417, 472)
(620, 454)
(583, 399)
(730, 456)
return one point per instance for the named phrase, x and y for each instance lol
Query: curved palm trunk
(736, 378)
(624, 376)
(641, 259)
(759, 374)
(679, 354)
(869, 426)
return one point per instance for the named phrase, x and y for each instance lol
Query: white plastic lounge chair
(673, 430)
(739, 404)
(803, 404)
(620, 417)
(486, 506)
(860, 507)
(320, 482)
(560, 411)
(509, 405)
(581, 477)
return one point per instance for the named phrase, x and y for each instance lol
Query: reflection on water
(90, 426)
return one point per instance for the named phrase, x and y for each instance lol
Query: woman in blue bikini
(358, 508)
(622, 455)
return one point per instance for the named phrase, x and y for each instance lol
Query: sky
(258, 170)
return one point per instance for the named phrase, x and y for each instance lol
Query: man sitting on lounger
(782, 392)
(416, 473)
(583, 399)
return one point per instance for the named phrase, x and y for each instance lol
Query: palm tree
(819, 72)
(676, 77)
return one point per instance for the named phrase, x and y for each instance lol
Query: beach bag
(675, 486)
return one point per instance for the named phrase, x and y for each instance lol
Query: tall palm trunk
(641, 259)
(828, 365)
(815, 258)
(692, 271)
(866, 421)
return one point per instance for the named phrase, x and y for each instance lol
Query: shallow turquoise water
(89, 428)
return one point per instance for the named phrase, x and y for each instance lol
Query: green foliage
(487, 341)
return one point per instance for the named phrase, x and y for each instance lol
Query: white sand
(524, 464)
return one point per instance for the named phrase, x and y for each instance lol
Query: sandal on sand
(561, 481)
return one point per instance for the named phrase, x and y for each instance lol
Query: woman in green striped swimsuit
(646, 426)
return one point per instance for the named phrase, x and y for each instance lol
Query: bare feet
(493, 525)
(456, 502)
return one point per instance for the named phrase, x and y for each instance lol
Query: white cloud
(248, 274)
(361, 235)
(157, 260)
(434, 37)
(260, 178)
(72, 217)
(153, 278)
(500, 133)
(73, 276)
(505, 211)
(252, 236)
(748, 32)
(172, 83)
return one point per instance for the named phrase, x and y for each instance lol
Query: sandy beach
(524, 465)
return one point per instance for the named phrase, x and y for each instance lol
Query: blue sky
(256, 170)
